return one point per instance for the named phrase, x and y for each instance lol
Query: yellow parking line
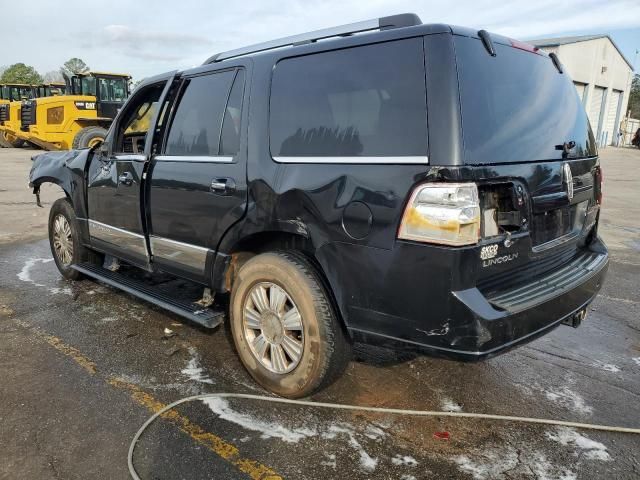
(59, 345)
(214, 443)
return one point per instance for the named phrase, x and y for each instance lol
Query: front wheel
(64, 239)
(284, 325)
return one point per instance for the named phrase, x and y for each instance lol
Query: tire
(3, 142)
(62, 211)
(87, 137)
(325, 349)
(10, 141)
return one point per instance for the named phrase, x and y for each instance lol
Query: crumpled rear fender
(66, 169)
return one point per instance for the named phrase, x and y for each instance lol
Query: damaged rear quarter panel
(66, 169)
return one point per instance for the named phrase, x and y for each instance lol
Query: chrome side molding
(356, 160)
(117, 236)
(192, 256)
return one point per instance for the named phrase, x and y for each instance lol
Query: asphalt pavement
(84, 365)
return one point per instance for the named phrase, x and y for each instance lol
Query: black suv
(426, 186)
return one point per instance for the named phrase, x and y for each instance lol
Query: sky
(147, 37)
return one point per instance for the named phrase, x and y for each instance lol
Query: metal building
(602, 76)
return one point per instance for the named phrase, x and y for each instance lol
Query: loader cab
(50, 89)
(109, 89)
(17, 92)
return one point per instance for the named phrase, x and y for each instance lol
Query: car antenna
(556, 61)
(487, 42)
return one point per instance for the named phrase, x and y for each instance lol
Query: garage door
(581, 89)
(595, 108)
(612, 116)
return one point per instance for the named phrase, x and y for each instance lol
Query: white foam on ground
(194, 371)
(587, 448)
(405, 460)
(569, 399)
(267, 429)
(330, 462)
(271, 429)
(607, 367)
(449, 405)
(25, 273)
(367, 462)
(506, 463)
(25, 276)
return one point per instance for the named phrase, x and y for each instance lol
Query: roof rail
(382, 23)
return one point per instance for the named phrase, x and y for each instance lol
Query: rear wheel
(284, 325)
(64, 239)
(89, 137)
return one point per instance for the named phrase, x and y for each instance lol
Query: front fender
(66, 169)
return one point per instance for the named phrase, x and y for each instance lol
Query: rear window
(517, 107)
(361, 101)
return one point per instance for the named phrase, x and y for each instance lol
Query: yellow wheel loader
(10, 105)
(78, 119)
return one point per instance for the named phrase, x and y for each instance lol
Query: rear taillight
(445, 213)
(599, 182)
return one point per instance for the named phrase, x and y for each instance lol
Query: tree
(634, 97)
(53, 76)
(21, 73)
(74, 66)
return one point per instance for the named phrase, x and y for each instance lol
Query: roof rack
(382, 23)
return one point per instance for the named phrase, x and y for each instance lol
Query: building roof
(557, 41)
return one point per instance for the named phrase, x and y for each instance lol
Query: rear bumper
(481, 324)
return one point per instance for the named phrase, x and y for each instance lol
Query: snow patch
(449, 405)
(636, 360)
(194, 371)
(589, 449)
(404, 460)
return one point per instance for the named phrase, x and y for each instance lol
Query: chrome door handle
(223, 186)
(125, 178)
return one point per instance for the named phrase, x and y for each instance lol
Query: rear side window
(195, 129)
(230, 137)
(361, 101)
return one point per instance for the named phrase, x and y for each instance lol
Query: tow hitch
(576, 319)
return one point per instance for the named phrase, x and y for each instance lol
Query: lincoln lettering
(497, 260)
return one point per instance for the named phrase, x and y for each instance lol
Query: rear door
(197, 183)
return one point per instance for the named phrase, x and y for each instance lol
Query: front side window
(136, 119)
(361, 101)
(196, 126)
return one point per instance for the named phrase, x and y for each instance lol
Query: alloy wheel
(62, 240)
(273, 327)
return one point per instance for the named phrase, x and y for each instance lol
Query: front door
(197, 184)
(115, 179)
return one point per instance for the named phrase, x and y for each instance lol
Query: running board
(206, 316)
